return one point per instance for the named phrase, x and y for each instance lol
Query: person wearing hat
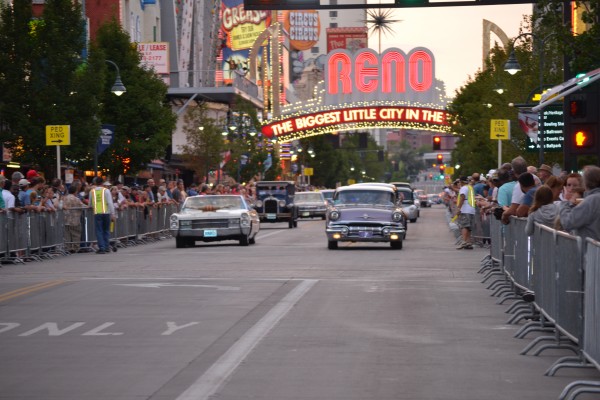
(544, 172)
(32, 173)
(466, 212)
(104, 213)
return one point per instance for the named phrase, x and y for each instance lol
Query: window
(333, 14)
(333, 25)
(314, 50)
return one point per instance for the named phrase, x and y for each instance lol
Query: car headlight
(245, 219)
(174, 222)
(334, 215)
(258, 203)
(397, 216)
(185, 223)
(281, 203)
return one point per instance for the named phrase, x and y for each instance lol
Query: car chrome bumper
(221, 233)
(344, 233)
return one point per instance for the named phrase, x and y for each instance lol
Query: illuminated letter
(343, 78)
(420, 74)
(366, 77)
(387, 79)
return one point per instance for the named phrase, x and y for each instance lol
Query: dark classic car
(310, 204)
(214, 218)
(365, 213)
(275, 202)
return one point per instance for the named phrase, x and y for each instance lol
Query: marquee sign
(364, 89)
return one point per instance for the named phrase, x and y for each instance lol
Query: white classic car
(214, 218)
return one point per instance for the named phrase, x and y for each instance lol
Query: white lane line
(223, 368)
(266, 235)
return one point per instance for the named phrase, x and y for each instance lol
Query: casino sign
(365, 90)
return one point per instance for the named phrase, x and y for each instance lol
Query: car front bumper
(216, 234)
(350, 233)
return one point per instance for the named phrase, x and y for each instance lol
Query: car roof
(356, 186)
(275, 182)
(401, 184)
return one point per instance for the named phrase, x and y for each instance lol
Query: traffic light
(440, 158)
(581, 125)
(442, 169)
(437, 143)
(363, 140)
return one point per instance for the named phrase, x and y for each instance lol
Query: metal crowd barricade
(497, 240)
(480, 232)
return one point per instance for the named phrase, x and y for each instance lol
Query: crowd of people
(568, 202)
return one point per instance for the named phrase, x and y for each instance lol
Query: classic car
(363, 213)
(310, 204)
(275, 202)
(408, 203)
(421, 196)
(214, 218)
(328, 194)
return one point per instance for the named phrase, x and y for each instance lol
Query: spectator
(505, 190)
(163, 197)
(572, 181)
(528, 187)
(32, 173)
(556, 184)
(192, 190)
(104, 213)
(73, 208)
(14, 189)
(544, 172)
(543, 210)
(583, 217)
(478, 184)
(519, 167)
(466, 212)
(7, 197)
(16, 177)
(149, 194)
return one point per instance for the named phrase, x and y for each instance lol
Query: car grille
(365, 226)
(212, 223)
(271, 206)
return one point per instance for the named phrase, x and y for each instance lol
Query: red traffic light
(437, 142)
(440, 157)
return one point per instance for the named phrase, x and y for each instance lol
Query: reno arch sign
(367, 90)
(367, 74)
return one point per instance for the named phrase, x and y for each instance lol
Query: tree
(204, 148)
(142, 116)
(44, 83)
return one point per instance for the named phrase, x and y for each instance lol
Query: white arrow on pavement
(159, 285)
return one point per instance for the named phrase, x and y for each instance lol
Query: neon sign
(367, 72)
(426, 118)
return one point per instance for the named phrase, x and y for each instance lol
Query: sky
(453, 34)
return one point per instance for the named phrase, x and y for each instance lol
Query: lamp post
(118, 89)
(512, 66)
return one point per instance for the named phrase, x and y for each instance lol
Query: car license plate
(365, 234)
(271, 216)
(305, 214)
(210, 233)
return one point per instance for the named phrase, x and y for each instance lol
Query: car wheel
(323, 218)
(252, 240)
(413, 220)
(332, 245)
(291, 223)
(244, 241)
(396, 245)
(180, 242)
(295, 223)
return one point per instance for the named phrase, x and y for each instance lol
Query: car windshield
(365, 196)
(213, 203)
(308, 196)
(328, 194)
(278, 191)
(405, 195)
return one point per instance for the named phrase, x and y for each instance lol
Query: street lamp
(118, 88)
(512, 66)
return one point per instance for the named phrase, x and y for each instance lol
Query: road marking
(159, 285)
(212, 380)
(29, 289)
(266, 235)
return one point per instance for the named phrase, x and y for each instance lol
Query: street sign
(500, 129)
(553, 130)
(308, 171)
(58, 135)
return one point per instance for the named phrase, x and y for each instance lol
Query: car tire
(244, 240)
(413, 220)
(291, 223)
(295, 223)
(332, 245)
(252, 240)
(396, 245)
(180, 242)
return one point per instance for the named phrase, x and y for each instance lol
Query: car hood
(197, 214)
(366, 214)
(309, 203)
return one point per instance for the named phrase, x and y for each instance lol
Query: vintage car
(214, 218)
(408, 203)
(365, 213)
(275, 202)
(327, 194)
(421, 196)
(310, 204)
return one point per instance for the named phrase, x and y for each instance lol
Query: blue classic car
(365, 213)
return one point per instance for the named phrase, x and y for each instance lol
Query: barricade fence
(562, 271)
(39, 235)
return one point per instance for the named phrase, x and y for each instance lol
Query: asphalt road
(285, 319)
